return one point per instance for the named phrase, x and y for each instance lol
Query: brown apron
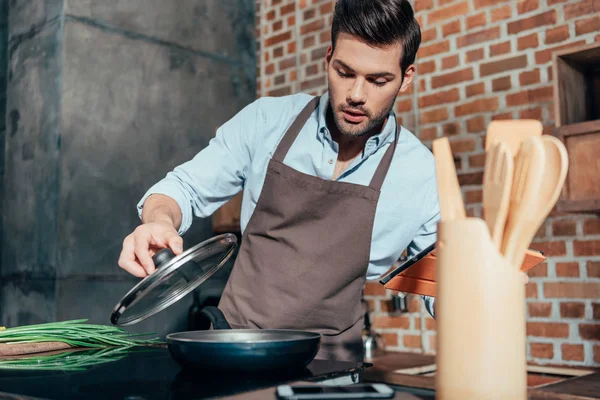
(305, 252)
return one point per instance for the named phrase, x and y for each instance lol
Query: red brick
(462, 145)
(390, 339)
(318, 54)
(384, 321)
(529, 77)
(308, 42)
(572, 290)
(596, 310)
(291, 47)
(476, 106)
(531, 96)
(473, 196)
(597, 353)
(429, 35)
(428, 133)
(545, 56)
(591, 226)
(404, 105)
(502, 116)
(309, 14)
(476, 124)
(572, 310)
(525, 24)
(450, 62)
(532, 113)
(282, 37)
(476, 20)
(451, 28)
(548, 329)
(313, 26)
(426, 67)
(558, 34)
(581, 8)
(451, 129)
(593, 269)
(539, 309)
(438, 98)
(325, 37)
(270, 69)
(525, 6)
(452, 78)
(279, 80)
(489, 3)
(567, 269)
(501, 13)
(437, 115)
(589, 331)
(499, 49)
(531, 290)
(287, 63)
(430, 324)
(542, 350)
(287, 9)
(586, 248)
(470, 178)
(326, 8)
(551, 249)
(433, 49)
(478, 37)
(412, 341)
(587, 25)
(421, 5)
(475, 89)
(283, 91)
(528, 42)
(538, 271)
(572, 352)
(564, 228)
(501, 84)
(477, 160)
(475, 55)
(449, 12)
(504, 65)
(374, 289)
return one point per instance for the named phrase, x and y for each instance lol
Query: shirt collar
(375, 142)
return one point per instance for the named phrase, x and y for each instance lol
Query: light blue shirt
(236, 159)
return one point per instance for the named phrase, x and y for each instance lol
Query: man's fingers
(142, 245)
(176, 244)
(127, 259)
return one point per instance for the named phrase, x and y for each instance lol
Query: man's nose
(357, 94)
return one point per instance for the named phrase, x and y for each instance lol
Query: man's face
(363, 83)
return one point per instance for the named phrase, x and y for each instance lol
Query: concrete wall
(103, 99)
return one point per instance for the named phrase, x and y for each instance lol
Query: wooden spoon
(512, 132)
(451, 201)
(525, 214)
(497, 182)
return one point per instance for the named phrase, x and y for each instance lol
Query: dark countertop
(153, 374)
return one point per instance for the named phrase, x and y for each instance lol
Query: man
(334, 188)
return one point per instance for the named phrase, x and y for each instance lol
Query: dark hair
(379, 22)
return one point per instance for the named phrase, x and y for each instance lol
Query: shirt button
(331, 161)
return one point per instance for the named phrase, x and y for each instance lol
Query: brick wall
(480, 60)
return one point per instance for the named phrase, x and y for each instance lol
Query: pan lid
(174, 277)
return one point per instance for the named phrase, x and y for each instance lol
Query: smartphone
(407, 264)
(358, 391)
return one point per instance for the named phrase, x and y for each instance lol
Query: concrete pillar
(103, 99)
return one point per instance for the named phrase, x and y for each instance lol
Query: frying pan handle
(216, 317)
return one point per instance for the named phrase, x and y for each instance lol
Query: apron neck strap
(292, 133)
(294, 130)
(384, 164)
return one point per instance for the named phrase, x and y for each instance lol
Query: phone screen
(334, 389)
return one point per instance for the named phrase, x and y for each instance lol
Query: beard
(355, 130)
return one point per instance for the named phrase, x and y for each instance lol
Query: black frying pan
(247, 350)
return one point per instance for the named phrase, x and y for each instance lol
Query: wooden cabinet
(577, 114)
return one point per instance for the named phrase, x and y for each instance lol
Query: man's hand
(145, 241)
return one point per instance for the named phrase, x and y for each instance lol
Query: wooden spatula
(497, 181)
(524, 212)
(512, 132)
(451, 201)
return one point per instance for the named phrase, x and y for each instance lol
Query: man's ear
(328, 56)
(409, 74)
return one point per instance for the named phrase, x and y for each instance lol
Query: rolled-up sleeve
(427, 235)
(217, 173)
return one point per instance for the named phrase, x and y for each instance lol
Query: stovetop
(153, 374)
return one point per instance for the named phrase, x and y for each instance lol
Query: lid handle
(162, 257)
(216, 317)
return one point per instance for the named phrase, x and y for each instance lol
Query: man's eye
(343, 74)
(379, 83)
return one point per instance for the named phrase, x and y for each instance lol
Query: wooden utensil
(497, 181)
(451, 201)
(512, 132)
(524, 212)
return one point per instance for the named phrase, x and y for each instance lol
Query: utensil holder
(480, 313)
